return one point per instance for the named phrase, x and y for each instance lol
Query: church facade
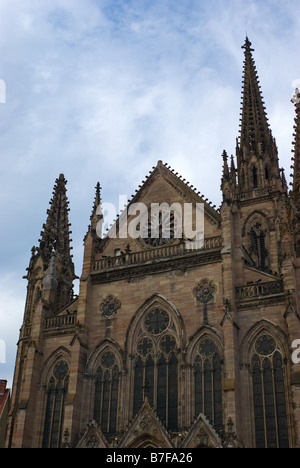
(165, 345)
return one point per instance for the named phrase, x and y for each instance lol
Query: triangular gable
(146, 431)
(202, 435)
(93, 437)
(187, 192)
(163, 185)
(180, 185)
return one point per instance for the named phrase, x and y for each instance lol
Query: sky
(100, 90)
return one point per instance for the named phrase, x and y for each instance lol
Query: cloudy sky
(100, 90)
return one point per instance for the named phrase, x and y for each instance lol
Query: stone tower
(50, 277)
(169, 345)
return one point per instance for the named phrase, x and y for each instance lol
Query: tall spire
(256, 150)
(55, 237)
(296, 150)
(255, 135)
(295, 193)
(228, 183)
(55, 247)
(226, 174)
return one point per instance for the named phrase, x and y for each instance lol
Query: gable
(163, 186)
(202, 435)
(93, 437)
(146, 431)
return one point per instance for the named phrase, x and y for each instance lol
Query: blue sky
(100, 90)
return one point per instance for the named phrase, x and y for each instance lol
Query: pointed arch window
(208, 383)
(156, 367)
(255, 177)
(267, 173)
(258, 249)
(55, 408)
(269, 394)
(107, 394)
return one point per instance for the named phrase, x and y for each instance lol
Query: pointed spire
(296, 150)
(97, 214)
(232, 168)
(228, 180)
(256, 149)
(255, 135)
(54, 248)
(97, 200)
(226, 174)
(56, 235)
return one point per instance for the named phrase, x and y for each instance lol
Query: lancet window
(107, 393)
(55, 408)
(156, 367)
(269, 394)
(208, 382)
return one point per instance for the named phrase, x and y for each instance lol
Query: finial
(225, 156)
(247, 45)
(296, 97)
(230, 425)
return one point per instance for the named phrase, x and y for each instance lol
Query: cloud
(12, 299)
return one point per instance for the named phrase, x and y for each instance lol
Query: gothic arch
(54, 383)
(259, 328)
(201, 333)
(159, 301)
(265, 355)
(61, 353)
(204, 363)
(146, 441)
(95, 355)
(153, 349)
(256, 235)
(104, 370)
(251, 219)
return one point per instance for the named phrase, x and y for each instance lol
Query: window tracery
(208, 382)
(258, 245)
(56, 395)
(107, 393)
(256, 233)
(269, 394)
(161, 227)
(156, 367)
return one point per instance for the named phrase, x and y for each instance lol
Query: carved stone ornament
(110, 307)
(146, 423)
(205, 291)
(203, 438)
(93, 442)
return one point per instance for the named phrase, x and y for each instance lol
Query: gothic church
(167, 346)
